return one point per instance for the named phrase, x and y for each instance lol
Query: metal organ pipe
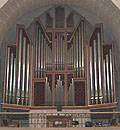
(76, 41)
(105, 86)
(80, 50)
(19, 64)
(95, 70)
(60, 52)
(59, 49)
(30, 85)
(11, 78)
(111, 75)
(91, 77)
(23, 69)
(108, 80)
(41, 49)
(8, 69)
(72, 56)
(27, 78)
(63, 57)
(39, 54)
(99, 67)
(14, 78)
(36, 54)
(83, 67)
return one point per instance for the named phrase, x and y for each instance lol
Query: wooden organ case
(53, 70)
(17, 69)
(101, 68)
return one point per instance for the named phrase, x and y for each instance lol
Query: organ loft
(62, 66)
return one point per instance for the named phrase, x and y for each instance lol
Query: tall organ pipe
(39, 54)
(77, 52)
(8, 69)
(80, 50)
(95, 70)
(91, 77)
(83, 66)
(99, 67)
(36, 54)
(108, 80)
(11, 79)
(41, 68)
(23, 69)
(60, 53)
(19, 64)
(59, 50)
(111, 75)
(27, 77)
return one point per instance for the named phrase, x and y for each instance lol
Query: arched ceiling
(12, 11)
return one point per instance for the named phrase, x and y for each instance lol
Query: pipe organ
(10, 74)
(76, 51)
(43, 52)
(108, 70)
(17, 69)
(101, 63)
(56, 70)
(59, 51)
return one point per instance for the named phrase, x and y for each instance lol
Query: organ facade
(61, 67)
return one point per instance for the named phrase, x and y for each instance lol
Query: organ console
(56, 70)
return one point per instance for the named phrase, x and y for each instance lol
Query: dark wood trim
(98, 106)
(3, 95)
(40, 23)
(71, 14)
(115, 92)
